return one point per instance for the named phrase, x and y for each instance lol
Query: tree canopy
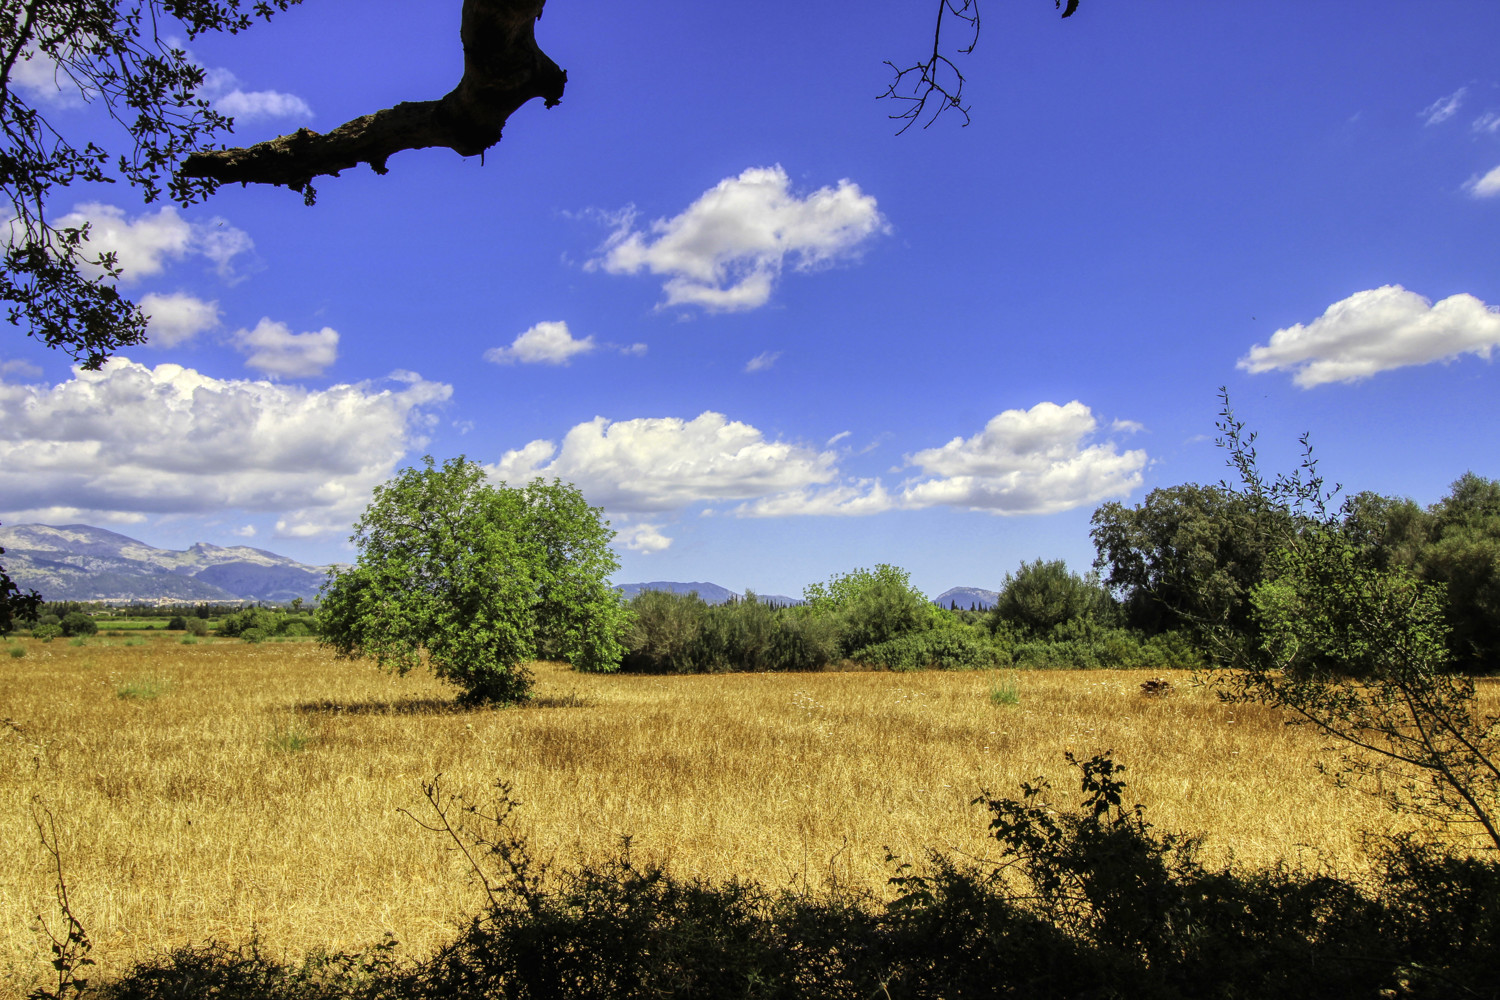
(477, 580)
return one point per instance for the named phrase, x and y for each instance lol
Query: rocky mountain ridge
(78, 562)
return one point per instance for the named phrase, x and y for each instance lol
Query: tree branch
(503, 69)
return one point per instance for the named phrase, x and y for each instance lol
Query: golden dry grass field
(212, 789)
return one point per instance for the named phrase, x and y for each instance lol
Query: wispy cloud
(761, 362)
(1443, 108)
(1484, 187)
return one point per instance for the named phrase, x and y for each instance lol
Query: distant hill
(711, 593)
(76, 562)
(966, 596)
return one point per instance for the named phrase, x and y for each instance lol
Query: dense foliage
(1190, 557)
(256, 624)
(477, 580)
(1047, 617)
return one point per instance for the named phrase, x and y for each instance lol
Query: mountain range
(711, 593)
(77, 562)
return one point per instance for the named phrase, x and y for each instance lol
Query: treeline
(253, 624)
(1171, 570)
(1191, 557)
(1046, 617)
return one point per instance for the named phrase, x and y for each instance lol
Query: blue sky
(776, 340)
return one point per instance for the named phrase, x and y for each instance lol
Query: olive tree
(476, 579)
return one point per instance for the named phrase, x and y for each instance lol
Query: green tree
(871, 606)
(1188, 555)
(477, 579)
(1360, 651)
(76, 623)
(1043, 595)
(1463, 554)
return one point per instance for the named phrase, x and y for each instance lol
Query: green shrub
(177, 623)
(17, 652)
(253, 634)
(872, 606)
(1043, 595)
(663, 633)
(1006, 691)
(46, 633)
(292, 739)
(196, 626)
(76, 623)
(954, 648)
(803, 641)
(142, 689)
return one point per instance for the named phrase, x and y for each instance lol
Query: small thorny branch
(70, 952)
(938, 79)
(521, 876)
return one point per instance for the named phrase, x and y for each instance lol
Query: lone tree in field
(478, 579)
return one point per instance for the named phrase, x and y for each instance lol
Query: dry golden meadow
(222, 788)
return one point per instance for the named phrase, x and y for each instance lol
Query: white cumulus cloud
(1037, 461)
(644, 538)
(145, 244)
(726, 250)
(273, 348)
(223, 88)
(665, 463)
(1377, 330)
(177, 318)
(1484, 187)
(543, 344)
(1443, 108)
(130, 441)
(40, 79)
(248, 106)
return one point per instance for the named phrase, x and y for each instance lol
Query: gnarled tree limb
(503, 69)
